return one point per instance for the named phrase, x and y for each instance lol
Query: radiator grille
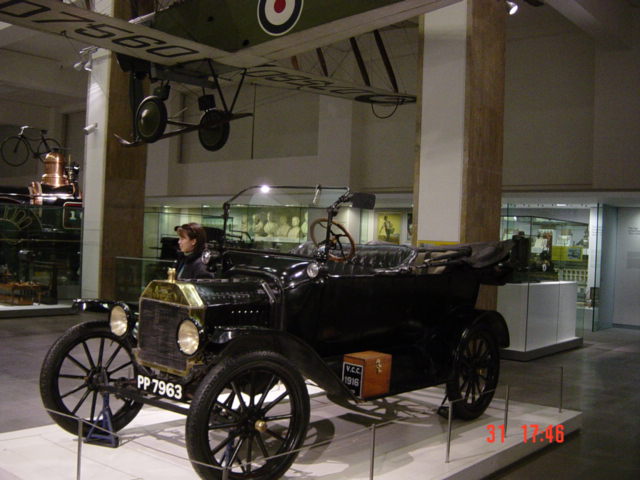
(157, 334)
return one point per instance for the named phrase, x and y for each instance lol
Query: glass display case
(134, 274)
(545, 304)
(40, 253)
(279, 227)
(272, 226)
(558, 249)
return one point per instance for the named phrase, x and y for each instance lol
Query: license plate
(160, 387)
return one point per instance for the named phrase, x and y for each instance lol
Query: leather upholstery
(381, 258)
(368, 259)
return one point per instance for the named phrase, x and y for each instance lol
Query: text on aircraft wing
(276, 76)
(115, 34)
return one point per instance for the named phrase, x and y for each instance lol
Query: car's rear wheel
(248, 409)
(475, 373)
(87, 356)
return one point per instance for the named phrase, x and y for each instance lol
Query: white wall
(617, 115)
(572, 112)
(300, 138)
(317, 151)
(626, 303)
(572, 106)
(548, 103)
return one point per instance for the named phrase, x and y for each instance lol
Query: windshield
(276, 218)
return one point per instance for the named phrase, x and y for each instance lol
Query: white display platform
(153, 445)
(541, 318)
(14, 311)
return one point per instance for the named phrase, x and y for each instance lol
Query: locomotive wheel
(212, 134)
(151, 119)
(85, 357)
(248, 408)
(475, 373)
(335, 249)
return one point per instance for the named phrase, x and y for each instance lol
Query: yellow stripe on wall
(435, 242)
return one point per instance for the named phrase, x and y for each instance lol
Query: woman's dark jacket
(191, 266)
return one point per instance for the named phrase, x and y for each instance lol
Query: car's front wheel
(249, 415)
(86, 357)
(475, 373)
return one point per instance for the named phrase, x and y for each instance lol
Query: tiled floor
(601, 379)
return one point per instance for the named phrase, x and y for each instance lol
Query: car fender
(92, 305)
(464, 317)
(496, 323)
(299, 353)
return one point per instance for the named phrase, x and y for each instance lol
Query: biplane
(202, 42)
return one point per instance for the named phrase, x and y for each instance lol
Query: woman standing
(192, 242)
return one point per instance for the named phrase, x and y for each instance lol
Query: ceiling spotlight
(512, 7)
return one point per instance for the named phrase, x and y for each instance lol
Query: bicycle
(15, 150)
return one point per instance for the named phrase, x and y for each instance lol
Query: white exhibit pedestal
(410, 442)
(541, 318)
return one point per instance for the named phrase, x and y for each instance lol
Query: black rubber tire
(47, 145)
(255, 374)
(71, 363)
(14, 151)
(151, 119)
(213, 138)
(475, 373)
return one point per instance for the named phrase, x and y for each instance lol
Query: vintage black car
(233, 352)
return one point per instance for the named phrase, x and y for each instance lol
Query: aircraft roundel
(277, 17)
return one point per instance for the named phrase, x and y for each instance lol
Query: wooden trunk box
(367, 374)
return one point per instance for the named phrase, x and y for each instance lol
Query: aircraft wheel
(151, 119)
(214, 130)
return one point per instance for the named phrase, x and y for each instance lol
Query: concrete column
(114, 176)
(458, 181)
(439, 169)
(93, 174)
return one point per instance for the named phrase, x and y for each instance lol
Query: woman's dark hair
(195, 232)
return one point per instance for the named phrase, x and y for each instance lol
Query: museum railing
(410, 419)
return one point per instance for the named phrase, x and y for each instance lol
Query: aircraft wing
(277, 29)
(279, 77)
(135, 40)
(238, 33)
(249, 34)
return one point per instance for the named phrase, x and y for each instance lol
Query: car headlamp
(188, 337)
(313, 269)
(118, 320)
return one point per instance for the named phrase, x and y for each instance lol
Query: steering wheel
(336, 234)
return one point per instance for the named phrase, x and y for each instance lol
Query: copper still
(54, 172)
(58, 181)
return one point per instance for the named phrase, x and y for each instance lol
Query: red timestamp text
(536, 434)
(495, 433)
(532, 433)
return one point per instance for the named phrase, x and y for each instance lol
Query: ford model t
(235, 352)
